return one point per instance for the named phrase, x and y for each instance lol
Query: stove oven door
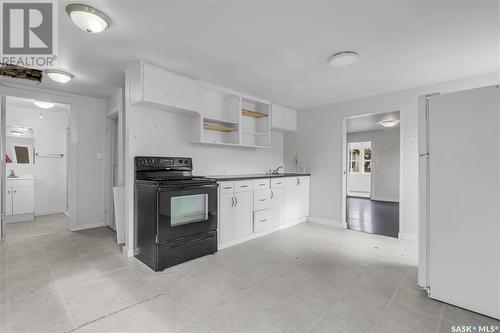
(186, 210)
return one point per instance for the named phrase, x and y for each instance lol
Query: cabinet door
(303, 197)
(8, 201)
(243, 214)
(157, 85)
(277, 116)
(291, 199)
(277, 206)
(186, 93)
(290, 119)
(22, 200)
(226, 226)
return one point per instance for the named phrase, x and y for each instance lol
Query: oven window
(188, 209)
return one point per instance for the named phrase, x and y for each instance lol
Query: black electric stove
(175, 212)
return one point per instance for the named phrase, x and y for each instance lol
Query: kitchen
(256, 240)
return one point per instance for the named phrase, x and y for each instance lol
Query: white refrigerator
(459, 198)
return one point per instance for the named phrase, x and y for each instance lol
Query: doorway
(372, 173)
(35, 175)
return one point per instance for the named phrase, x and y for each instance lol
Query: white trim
(385, 199)
(408, 237)
(73, 102)
(319, 220)
(128, 252)
(345, 159)
(359, 194)
(28, 217)
(88, 226)
(260, 233)
(49, 212)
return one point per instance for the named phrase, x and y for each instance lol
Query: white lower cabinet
(243, 209)
(247, 209)
(226, 216)
(19, 200)
(277, 206)
(296, 197)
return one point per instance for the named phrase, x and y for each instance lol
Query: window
(22, 154)
(360, 157)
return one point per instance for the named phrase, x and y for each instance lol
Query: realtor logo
(29, 33)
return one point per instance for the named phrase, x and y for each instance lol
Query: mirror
(22, 154)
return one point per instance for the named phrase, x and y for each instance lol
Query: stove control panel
(159, 163)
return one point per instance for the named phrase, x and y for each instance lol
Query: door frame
(72, 171)
(345, 159)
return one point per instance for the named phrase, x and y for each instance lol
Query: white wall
(319, 147)
(385, 161)
(49, 173)
(161, 133)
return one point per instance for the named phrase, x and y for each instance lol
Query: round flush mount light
(343, 58)
(389, 122)
(59, 76)
(88, 18)
(44, 105)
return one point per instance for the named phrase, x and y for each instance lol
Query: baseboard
(359, 194)
(128, 252)
(20, 218)
(408, 237)
(44, 213)
(88, 226)
(319, 220)
(385, 199)
(260, 233)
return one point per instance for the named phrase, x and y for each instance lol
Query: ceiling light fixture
(88, 18)
(389, 122)
(59, 76)
(343, 58)
(18, 133)
(44, 105)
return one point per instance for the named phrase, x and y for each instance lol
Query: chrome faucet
(275, 171)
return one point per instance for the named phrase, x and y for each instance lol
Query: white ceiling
(278, 50)
(370, 122)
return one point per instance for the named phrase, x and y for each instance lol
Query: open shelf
(253, 114)
(219, 121)
(218, 127)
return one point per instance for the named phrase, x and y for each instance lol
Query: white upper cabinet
(283, 118)
(155, 87)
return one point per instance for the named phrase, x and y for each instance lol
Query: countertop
(257, 176)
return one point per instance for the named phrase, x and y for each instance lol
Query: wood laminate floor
(374, 217)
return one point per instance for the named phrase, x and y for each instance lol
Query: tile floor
(307, 278)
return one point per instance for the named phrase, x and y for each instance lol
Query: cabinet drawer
(243, 186)
(226, 187)
(261, 220)
(277, 183)
(261, 199)
(261, 184)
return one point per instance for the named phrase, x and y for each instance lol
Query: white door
(22, 200)
(464, 193)
(290, 119)
(277, 116)
(8, 201)
(277, 206)
(303, 197)
(226, 214)
(186, 93)
(291, 199)
(243, 214)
